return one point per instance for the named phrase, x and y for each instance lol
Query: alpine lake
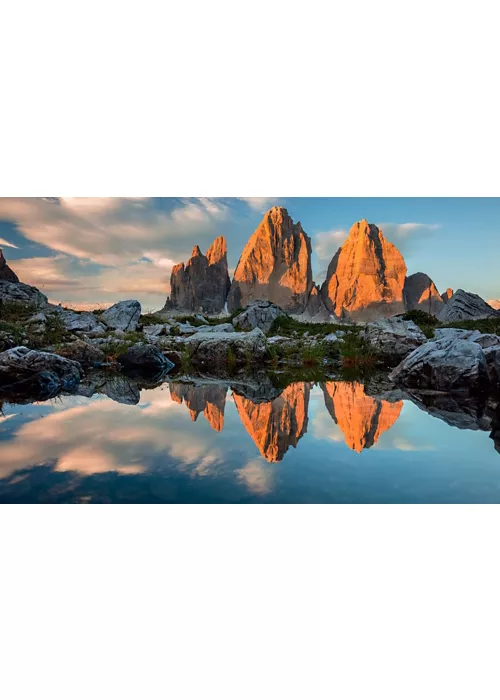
(265, 438)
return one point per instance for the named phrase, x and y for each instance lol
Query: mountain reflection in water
(118, 441)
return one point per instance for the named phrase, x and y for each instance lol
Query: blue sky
(87, 251)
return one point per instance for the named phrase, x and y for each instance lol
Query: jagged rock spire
(203, 283)
(5, 272)
(421, 293)
(275, 265)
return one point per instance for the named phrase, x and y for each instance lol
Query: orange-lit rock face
(447, 295)
(421, 293)
(209, 399)
(361, 418)
(203, 283)
(275, 265)
(366, 277)
(276, 425)
(5, 272)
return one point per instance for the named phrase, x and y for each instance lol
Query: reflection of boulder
(117, 387)
(459, 411)
(26, 372)
(276, 425)
(207, 398)
(361, 418)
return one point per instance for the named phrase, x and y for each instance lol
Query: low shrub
(420, 317)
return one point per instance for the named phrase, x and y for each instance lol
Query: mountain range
(366, 279)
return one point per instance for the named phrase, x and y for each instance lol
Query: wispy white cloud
(261, 204)
(6, 244)
(113, 231)
(407, 235)
(134, 243)
(65, 280)
(327, 243)
(258, 476)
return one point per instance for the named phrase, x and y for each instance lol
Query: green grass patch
(151, 320)
(15, 312)
(428, 323)
(483, 325)
(355, 351)
(281, 380)
(289, 327)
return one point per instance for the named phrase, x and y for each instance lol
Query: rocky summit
(5, 272)
(465, 306)
(366, 278)
(275, 265)
(420, 292)
(203, 283)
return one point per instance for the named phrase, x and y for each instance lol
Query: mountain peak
(203, 283)
(5, 272)
(275, 265)
(366, 277)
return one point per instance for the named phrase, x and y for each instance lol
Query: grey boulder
(219, 328)
(21, 293)
(212, 350)
(147, 358)
(455, 334)
(40, 372)
(394, 338)
(86, 354)
(444, 365)
(261, 314)
(79, 322)
(123, 316)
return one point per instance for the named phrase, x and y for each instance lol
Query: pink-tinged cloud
(114, 231)
(101, 436)
(66, 281)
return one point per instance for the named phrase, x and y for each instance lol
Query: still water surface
(185, 443)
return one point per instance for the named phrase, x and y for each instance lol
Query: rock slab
(20, 293)
(123, 316)
(465, 306)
